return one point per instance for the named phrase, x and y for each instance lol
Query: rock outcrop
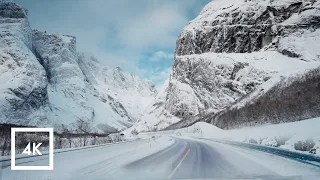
(234, 52)
(23, 80)
(246, 26)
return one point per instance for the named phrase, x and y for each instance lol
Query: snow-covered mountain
(234, 52)
(23, 80)
(45, 81)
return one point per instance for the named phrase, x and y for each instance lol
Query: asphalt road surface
(169, 158)
(194, 159)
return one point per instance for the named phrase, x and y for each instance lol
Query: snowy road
(167, 158)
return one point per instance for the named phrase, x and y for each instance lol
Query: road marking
(175, 169)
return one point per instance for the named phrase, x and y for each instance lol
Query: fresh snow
(19, 68)
(263, 60)
(291, 133)
(155, 116)
(304, 43)
(118, 97)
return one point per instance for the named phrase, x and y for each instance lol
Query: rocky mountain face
(232, 54)
(46, 82)
(23, 80)
(247, 26)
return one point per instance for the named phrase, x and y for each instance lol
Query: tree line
(292, 99)
(79, 134)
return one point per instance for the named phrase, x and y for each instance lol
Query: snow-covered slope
(46, 82)
(124, 95)
(236, 48)
(155, 116)
(66, 87)
(287, 135)
(23, 80)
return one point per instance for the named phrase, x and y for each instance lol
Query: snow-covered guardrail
(302, 157)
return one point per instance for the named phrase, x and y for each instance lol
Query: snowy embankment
(302, 136)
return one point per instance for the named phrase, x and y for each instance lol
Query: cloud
(156, 28)
(119, 33)
(160, 55)
(160, 76)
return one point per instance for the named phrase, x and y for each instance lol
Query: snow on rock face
(46, 82)
(23, 80)
(66, 89)
(133, 92)
(129, 82)
(81, 88)
(123, 95)
(303, 44)
(245, 26)
(236, 50)
(181, 100)
(12, 10)
(155, 116)
(217, 80)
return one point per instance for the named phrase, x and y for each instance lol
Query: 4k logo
(35, 151)
(32, 149)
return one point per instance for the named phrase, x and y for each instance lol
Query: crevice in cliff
(43, 63)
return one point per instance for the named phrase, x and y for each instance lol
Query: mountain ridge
(47, 82)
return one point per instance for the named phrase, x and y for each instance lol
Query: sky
(137, 35)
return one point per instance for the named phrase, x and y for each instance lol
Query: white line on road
(175, 169)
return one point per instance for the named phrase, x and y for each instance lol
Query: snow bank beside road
(297, 136)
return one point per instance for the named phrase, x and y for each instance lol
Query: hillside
(232, 54)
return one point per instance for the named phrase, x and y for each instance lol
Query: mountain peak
(118, 68)
(12, 10)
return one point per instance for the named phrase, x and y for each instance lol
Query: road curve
(195, 159)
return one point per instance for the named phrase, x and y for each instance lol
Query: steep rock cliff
(234, 52)
(23, 80)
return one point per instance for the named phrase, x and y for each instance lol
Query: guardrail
(301, 157)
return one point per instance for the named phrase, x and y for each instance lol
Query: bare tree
(67, 133)
(4, 139)
(83, 127)
(58, 142)
(291, 99)
(134, 132)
